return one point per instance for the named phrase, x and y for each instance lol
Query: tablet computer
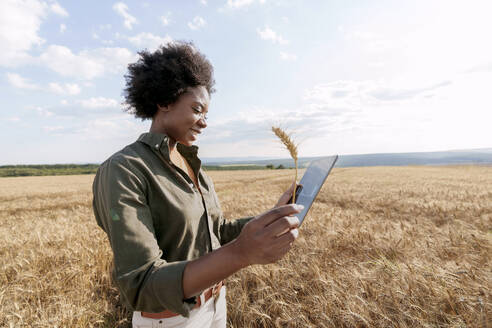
(311, 183)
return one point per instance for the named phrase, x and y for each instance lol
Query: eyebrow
(200, 103)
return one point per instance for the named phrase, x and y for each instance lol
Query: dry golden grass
(382, 247)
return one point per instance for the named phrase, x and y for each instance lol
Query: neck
(172, 143)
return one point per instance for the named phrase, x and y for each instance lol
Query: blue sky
(346, 77)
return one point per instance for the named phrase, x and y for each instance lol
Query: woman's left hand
(283, 200)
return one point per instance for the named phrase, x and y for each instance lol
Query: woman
(171, 244)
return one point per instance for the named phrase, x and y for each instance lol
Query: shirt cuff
(231, 229)
(166, 283)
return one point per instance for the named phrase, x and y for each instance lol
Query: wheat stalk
(291, 147)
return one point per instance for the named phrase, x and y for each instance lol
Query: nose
(202, 122)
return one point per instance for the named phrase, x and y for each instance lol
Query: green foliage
(270, 166)
(233, 167)
(38, 170)
(73, 169)
(280, 167)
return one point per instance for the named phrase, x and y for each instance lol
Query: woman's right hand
(264, 239)
(269, 236)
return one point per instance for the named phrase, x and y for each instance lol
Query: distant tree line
(73, 169)
(242, 167)
(272, 167)
(54, 169)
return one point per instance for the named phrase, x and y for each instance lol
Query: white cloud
(86, 64)
(344, 110)
(122, 10)
(19, 26)
(287, 56)
(22, 83)
(373, 43)
(99, 102)
(41, 111)
(61, 60)
(13, 119)
(347, 94)
(108, 42)
(268, 34)
(240, 4)
(19, 82)
(119, 126)
(165, 19)
(66, 89)
(236, 4)
(53, 128)
(59, 10)
(63, 28)
(105, 27)
(342, 94)
(410, 48)
(149, 40)
(486, 67)
(203, 2)
(254, 125)
(197, 23)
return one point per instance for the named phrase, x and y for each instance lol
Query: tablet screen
(312, 181)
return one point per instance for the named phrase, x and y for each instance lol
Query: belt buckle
(216, 293)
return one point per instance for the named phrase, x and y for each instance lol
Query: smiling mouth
(196, 131)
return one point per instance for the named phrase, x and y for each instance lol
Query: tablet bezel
(319, 171)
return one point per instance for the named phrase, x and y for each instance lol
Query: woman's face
(185, 119)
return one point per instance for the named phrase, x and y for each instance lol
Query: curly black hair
(162, 76)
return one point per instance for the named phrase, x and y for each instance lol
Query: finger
(282, 225)
(275, 213)
(287, 238)
(284, 199)
(291, 188)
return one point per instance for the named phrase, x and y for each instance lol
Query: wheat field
(382, 247)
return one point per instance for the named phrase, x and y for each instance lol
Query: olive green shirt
(156, 221)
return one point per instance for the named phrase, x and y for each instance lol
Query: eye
(199, 111)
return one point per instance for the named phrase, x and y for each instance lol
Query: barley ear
(291, 147)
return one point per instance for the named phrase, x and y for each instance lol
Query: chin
(187, 143)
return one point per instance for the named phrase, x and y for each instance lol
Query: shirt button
(156, 146)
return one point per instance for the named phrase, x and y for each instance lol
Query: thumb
(283, 200)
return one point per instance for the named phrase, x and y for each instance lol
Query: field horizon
(382, 247)
(441, 157)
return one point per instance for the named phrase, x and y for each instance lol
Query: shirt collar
(160, 142)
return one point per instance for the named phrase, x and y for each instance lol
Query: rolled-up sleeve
(146, 281)
(229, 230)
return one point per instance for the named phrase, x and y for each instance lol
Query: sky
(344, 77)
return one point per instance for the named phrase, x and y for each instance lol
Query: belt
(207, 294)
